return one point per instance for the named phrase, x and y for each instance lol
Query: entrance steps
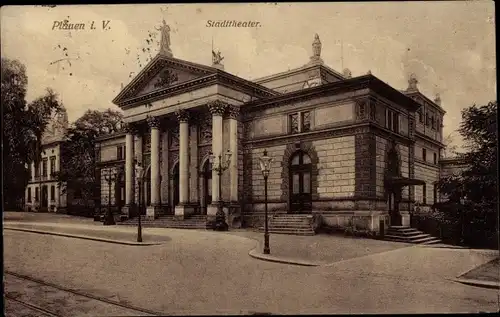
(168, 221)
(291, 224)
(409, 235)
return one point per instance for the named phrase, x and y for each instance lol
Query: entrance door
(300, 183)
(120, 191)
(175, 179)
(207, 187)
(45, 197)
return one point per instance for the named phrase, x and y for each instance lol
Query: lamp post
(265, 166)
(110, 177)
(139, 170)
(220, 166)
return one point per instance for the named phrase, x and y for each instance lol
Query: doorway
(300, 168)
(175, 187)
(45, 197)
(206, 194)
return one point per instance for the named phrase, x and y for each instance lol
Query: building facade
(334, 140)
(43, 192)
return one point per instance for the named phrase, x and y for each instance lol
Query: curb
(265, 257)
(67, 235)
(479, 283)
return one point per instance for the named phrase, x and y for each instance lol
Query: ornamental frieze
(167, 78)
(233, 112)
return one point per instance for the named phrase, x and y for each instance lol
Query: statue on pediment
(165, 39)
(217, 58)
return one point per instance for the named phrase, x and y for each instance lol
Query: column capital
(153, 122)
(217, 107)
(128, 128)
(233, 112)
(182, 115)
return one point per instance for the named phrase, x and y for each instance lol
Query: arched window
(300, 183)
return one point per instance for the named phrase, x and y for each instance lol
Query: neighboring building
(334, 140)
(42, 192)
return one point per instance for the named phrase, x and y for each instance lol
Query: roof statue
(412, 82)
(316, 47)
(217, 60)
(369, 72)
(121, 86)
(165, 39)
(437, 100)
(347, 73)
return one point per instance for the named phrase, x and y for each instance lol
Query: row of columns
(217, 109)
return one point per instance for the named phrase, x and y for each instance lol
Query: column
(217, 109)
(129, 170)
(165, 177)
(193, 166)
(154, 125)
(233, 113)
(183, 209)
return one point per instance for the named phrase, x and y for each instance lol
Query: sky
(450, 46)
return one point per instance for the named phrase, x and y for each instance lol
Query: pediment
(160, 73)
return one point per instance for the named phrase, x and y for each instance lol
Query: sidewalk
(486, 275)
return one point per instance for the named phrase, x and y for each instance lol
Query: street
(203, 272)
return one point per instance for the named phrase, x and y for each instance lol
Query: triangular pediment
(160, 73)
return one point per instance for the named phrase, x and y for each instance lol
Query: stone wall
(381, 146)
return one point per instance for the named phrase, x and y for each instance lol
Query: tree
(78, 158)
(23, 127)
(450, 149)
(476, 185)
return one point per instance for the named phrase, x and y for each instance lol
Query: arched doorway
(206, 186)
(175, 187)
(300, 168)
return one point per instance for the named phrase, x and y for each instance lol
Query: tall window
(37, 194)
(433, 122)
(424, 194)
(52, 165)
(299, 122)
(427, 119)
(52, 193)
(435, 158)
(435, 193)
(37, 170)
(119, 153)
(392, 120)
(424, 155)
(29, 194)
(44, 167)
(29, 172)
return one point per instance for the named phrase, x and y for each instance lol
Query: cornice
(418, 93)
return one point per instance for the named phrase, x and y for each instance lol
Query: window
(37, 171)
(29, 194)
(119, 152)
(420, 116)
(424, 155)
(427, 119)
(37, 194)
(29, 172)
(44, 167)
(392, 120)
(435, 158)
(52, 165)
(52, 193)
(424, 194)
(300, 122)
(306, 121)
(435, 193)
(433, 122)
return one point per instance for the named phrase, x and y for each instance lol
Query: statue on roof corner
(316, 46)
(217, 58)
(165, 38)
(412, 82)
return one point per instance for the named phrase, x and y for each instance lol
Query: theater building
(340, 144)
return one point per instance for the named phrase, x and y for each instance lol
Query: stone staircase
(409, 235)
(291, 224)
(168, 221)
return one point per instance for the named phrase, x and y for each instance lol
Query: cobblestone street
(204, 272)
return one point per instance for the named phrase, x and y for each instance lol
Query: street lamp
(220, 166)
(110, 177)
(139, 170)
(265, 166)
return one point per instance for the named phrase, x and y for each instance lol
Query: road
(202, 272)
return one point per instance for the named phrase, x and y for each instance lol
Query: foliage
(23, 127)
(475, 188)
(79, 157)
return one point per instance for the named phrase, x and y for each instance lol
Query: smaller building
(43, 192)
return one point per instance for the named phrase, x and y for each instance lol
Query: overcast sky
(449, 45)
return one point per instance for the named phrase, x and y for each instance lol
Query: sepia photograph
(250, 159)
